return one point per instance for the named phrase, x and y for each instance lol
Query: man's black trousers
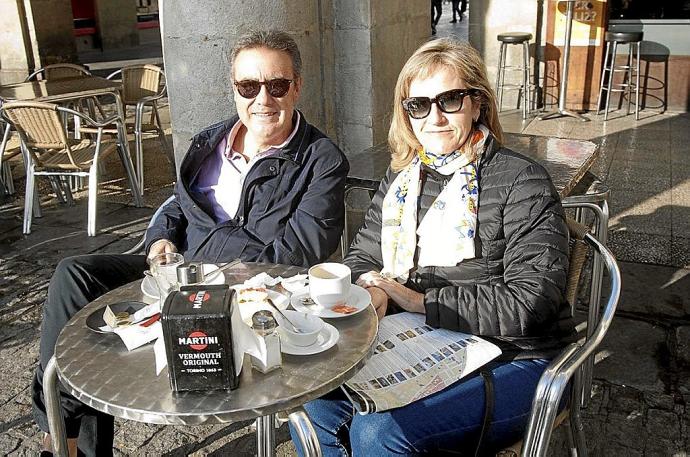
(76, 282)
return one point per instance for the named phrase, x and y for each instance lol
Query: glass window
(646, 9)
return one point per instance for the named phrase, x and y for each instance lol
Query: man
(263, 186)
(436, 11)
(457, 9)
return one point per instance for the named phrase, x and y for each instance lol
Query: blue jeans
(449, 420)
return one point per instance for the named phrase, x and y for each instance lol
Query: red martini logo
(198, 340)
(199, 298)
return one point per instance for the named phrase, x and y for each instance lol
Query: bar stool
(633, 40)
(517, 38)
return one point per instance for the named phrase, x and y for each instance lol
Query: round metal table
(98, 370)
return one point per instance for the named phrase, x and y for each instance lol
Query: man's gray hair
(271, 39)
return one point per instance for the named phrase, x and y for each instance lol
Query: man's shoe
(454, 21)
(46, 454)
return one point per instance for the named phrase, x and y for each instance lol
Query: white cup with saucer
(329, 283)
(309, 326)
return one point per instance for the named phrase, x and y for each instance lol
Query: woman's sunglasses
(250, 88)
(448, 102)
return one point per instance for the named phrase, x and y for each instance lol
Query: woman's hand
(403, 296)
(379, 299)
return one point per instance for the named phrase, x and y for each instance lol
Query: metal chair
(139, 247)
(142, 86)
(351, 183)
(576, 361)
(49, 72)
(568, 366)
(593, 196)
(49, 152)
(58, 71)
(6, 179)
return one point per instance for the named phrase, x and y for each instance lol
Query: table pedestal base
(558, 112)
(265, 436)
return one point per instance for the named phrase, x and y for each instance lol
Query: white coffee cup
(310, 326)
(329, 283)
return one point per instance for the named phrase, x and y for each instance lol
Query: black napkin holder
(197, 331)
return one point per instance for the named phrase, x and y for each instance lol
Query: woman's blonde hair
(443, 53)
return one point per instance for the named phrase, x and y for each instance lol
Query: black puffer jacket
(513, 292)
(291, 208)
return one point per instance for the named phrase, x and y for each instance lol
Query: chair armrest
(89, 120)
(139, 247)
(151, 98)
(33, 75)
(113, 74)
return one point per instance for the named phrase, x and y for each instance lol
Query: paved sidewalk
(642, 381)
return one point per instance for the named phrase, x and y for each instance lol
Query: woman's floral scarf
(446, 234)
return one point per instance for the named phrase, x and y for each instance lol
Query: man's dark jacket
(513, 291)
(291, 209)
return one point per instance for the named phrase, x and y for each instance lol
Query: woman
(473, 236)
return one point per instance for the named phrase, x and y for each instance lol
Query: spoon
(294, 327)
(221, 269)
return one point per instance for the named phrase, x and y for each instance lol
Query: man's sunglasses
(448, 102)
(250, 88)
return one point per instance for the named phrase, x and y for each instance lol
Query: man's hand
(379, 299)
(161, 246)
(406, 298)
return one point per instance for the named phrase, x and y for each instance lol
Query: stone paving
(641, 390)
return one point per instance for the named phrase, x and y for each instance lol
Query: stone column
(34, 33)
(352, 52)
(117, 23)
(373, 40)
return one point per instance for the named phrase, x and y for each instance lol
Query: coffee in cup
(329, 283)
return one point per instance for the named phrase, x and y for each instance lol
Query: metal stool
(633, 40)
(514, 38)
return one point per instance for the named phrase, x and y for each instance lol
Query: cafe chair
(352, 184)
(49, 152)
(142, 87)
(139, 247)
(6, 179)
(568, 367)
(58, 71)
(49, 72)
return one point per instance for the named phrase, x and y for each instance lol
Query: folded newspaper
(412, 361)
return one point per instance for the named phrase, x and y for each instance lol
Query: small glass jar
(264, 324)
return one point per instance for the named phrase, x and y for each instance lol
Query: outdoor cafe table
(98, 370)
(61, 90)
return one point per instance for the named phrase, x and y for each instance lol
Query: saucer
(149, 289)
(327, 338)
(359, 298)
